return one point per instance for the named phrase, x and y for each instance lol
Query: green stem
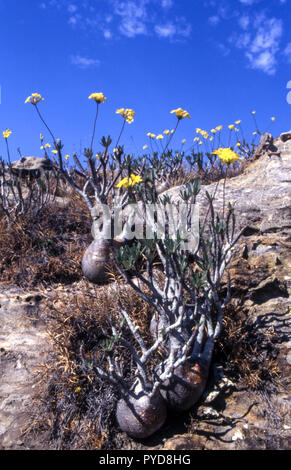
(171, 136)
(38, 112)
(209, 204)
(224, 193)
(122, 128)
(94, 128)
(8, 153)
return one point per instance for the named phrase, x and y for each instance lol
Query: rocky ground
(229, 416)
(24, 347)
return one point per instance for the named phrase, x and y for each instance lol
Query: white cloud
(133, 17)
(287, 52)
(260, 39)
(107, 34)
(167, 3)
(166, 30)
(244, 21)
(72, 8)
(263, 48)
(214, 19)
(173, 29)
(73, 20)
(84, 62)
(264, 61)
(129, 18)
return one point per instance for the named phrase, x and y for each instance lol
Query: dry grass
(47, 249)
(247, 352)
(75, 406)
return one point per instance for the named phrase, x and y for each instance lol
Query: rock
(261, 288)
(24, 345)
(31, 166)
(266, 141)
(285, 136)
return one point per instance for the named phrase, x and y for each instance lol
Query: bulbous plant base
(141, 417)
(186, 386)
(95, 259)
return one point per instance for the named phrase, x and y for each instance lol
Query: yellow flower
(150, 135)
(183, 141)
(166, 131)
(42, 147)
(7, 133)
(237, 122)
(198, 130)
(127, 114)
(134, 179)
(145, 147)
(231, 127)
(218, 128)
(159, 137)
(34, 98)
(98, 97)
(238, 144)
(54, 152)
(47, 146)
(180, 113)
(255, 133)
(273, 118)
(200, 143)
(195, 139)
(78, 389)
(211, 138)
(226, 155)
(123, 182)
(66, 157)
(253, 112)
(172, 131)
(129, 182)
(213, 131)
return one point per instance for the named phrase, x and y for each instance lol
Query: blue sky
(218, 59)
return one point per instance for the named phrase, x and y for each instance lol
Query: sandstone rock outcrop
(261, 287)
(31, 166)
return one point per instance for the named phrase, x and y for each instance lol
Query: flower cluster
(129, 182)
(202, 132)
(127, 114)
(226, 155)
(98, 97)
(150, 135)
(180, 113)
(46, 146)
(7, 133)
(34, 98)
